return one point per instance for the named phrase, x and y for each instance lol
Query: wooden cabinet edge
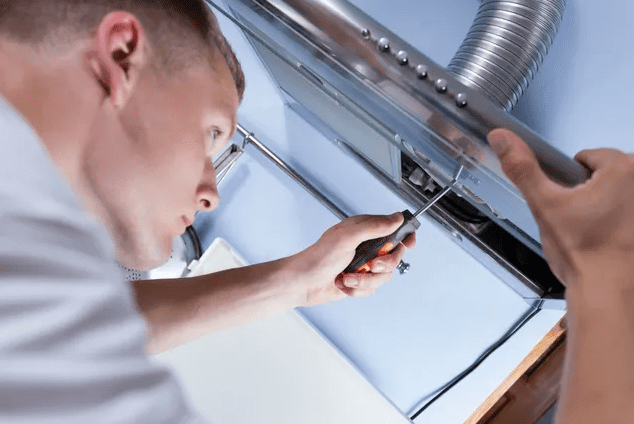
(531, 388)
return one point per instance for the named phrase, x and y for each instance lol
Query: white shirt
(71, 338)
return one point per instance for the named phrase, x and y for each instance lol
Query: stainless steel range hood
(414, 123)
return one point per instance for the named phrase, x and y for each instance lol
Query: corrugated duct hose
(505, 45)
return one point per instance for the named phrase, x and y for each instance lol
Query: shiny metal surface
(461, 100)
(441, 85)
(383, 43)
(506, 43)
(438, 196)
(327, 43)
(471, 239)
(401, 56)
(226, 161)
(421, 71)
(344, 73)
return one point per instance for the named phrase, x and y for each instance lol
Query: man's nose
(207, 191)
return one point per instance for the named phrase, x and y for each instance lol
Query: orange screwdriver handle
(370, 249)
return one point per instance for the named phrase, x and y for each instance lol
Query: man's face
(150, 163)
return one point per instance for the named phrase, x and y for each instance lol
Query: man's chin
(140, 265)
(143, 261)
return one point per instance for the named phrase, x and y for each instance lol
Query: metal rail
(249, 138)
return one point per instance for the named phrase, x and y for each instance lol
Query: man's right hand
(587, 229)
(587, 233)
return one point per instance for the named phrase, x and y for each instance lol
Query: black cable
(444, 389)
(193, 247)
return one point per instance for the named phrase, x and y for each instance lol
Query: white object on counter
(278, 370)
(219, 256)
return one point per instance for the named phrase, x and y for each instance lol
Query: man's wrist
(611, 267)
(287, 280)
(601, 280)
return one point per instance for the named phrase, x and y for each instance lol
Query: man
(102, 100)
(110, 113)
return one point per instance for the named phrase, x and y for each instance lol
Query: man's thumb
(518, 162)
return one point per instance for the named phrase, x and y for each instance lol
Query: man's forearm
(598, 385)
(180, 310)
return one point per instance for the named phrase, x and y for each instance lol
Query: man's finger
(598, 158)
(362, 282)
(362, 293)
(389, 262)
(520, 165)
(366, 227)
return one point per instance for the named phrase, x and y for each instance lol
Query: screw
(403, 267)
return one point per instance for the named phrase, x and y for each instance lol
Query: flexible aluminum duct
(505, 45)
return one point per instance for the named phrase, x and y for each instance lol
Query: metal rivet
(461, 100)
(398, 139)
(421, 71)
(441, 85)
(384, 44)
(401, 56)
(365, 33)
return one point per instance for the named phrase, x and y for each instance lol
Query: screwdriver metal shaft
(370, 249)
(439, 195)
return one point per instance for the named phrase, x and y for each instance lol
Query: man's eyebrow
(234, 127)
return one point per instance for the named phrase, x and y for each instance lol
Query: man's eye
(214, 135)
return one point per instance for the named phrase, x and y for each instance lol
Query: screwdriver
(371, 249)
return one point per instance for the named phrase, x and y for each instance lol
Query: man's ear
(119, 54)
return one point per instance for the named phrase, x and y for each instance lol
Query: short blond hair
(181, 32)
